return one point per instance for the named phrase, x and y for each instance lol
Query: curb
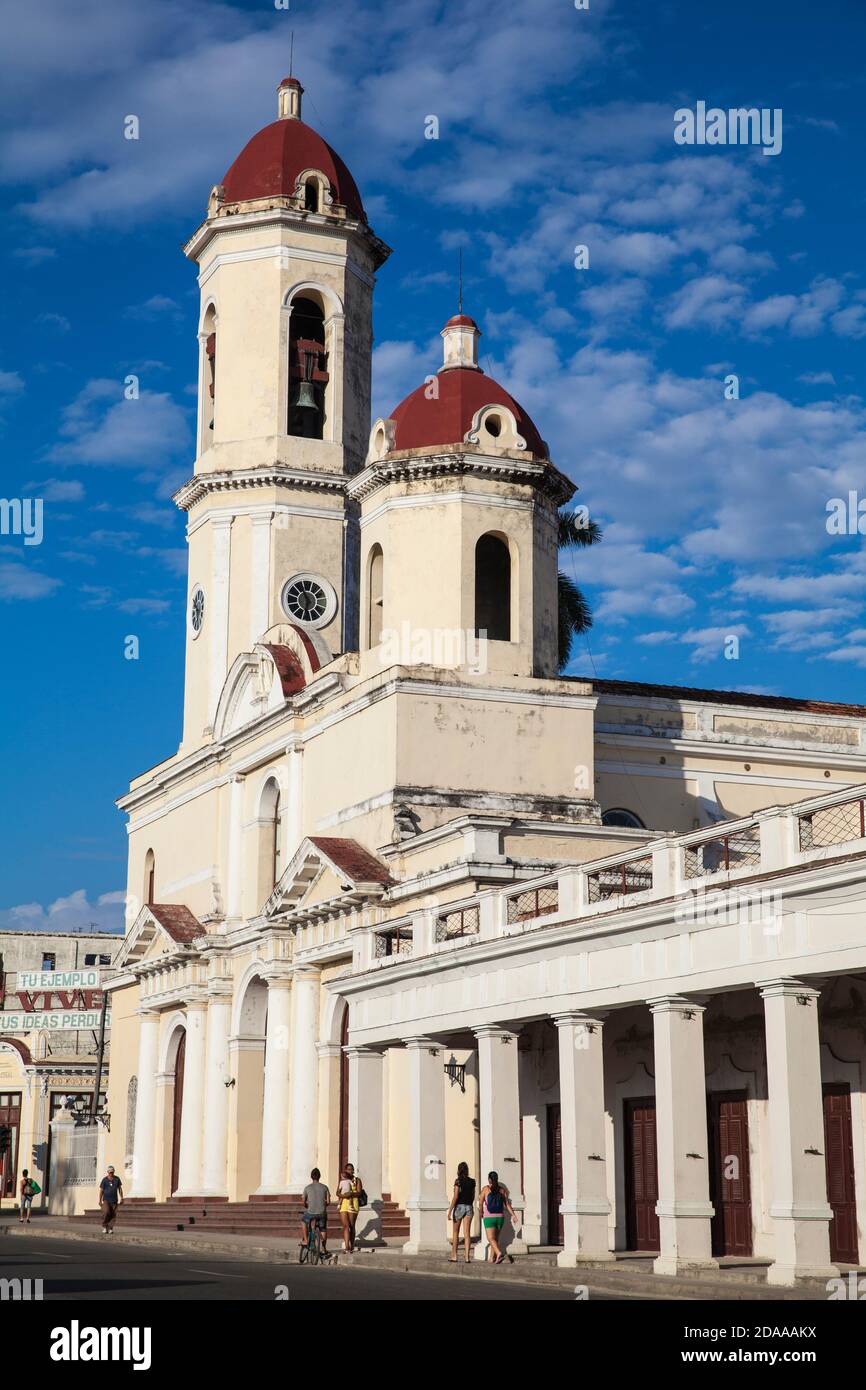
(628, 1285)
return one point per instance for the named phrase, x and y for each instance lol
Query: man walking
(110, 1195)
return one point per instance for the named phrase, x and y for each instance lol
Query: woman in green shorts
(494, 1202)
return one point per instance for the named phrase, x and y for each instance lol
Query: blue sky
(556, 129)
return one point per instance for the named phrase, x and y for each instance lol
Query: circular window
(309, 599)
(196, 610)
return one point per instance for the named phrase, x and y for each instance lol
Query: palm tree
(575, 614)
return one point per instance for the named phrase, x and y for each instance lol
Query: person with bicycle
(316, 1199)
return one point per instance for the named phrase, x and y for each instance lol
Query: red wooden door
(555, 1233)
(344, 1092)
(730, 1188)
(641, 1174)
(839, 1148)
(178, 1112)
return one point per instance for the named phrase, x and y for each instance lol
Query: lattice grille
(833, 825)
(714, 856)
(634, 876)
(464, 921)
(394, 943)
(535, 902)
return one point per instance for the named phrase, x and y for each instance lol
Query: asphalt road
(101, 1269)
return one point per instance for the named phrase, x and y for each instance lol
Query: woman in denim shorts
(460, 1212)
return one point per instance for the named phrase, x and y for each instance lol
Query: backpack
(35, 1189)
(495, 1202)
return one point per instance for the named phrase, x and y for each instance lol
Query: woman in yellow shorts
(348, 1190)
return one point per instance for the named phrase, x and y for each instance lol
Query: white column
(799, 1208)
(235, 847)
(216, 1114)
(144, 1143)
(366, 1102)
(428, 1201)
(260, 577)
(682, 1143)
(189, 1171)
(304, 1075)
(499, 1120)
(585, 1207)
(275, 1119)
(217, 611)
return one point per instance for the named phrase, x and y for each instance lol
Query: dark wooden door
(730, 1188)
(641, 1174)
(10, 1118)
(344, 1092)
(178, 1112)
(555, 1233)
(839, 1148)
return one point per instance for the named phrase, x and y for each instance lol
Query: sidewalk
(628, 1277)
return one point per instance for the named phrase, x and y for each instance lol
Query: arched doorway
(246, 1115)
(177, 1118)
(344, 1090)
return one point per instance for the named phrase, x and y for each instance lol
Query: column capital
(147, 1015)
(421, 1043)
(277, 977)
(326, 1049)
(195, 1001)
(358, 1050)
(788, 988)
(675, 1004)
(220, 991)
(497, 1030)
(569, 1020)
(303, 973)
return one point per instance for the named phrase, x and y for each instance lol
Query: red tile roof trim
(178, 921)
(289, 668)
(356, 862)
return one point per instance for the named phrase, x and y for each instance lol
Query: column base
(213, 1192)
(515, 1247)
(274, 1192)
(673, 1264)
(426, 1247)
(788, 1275)
(571, 1259)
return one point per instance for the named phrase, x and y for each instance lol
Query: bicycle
(313, 1252)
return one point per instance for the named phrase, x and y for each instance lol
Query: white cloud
(101, 427)
(72, 913)
(18, 581)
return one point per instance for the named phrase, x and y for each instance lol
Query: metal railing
(463, 921)
(720, 853)
(393, 943)
(832, 825)
(534, 902)
(631, 876)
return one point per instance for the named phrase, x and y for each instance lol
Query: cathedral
(407, 896)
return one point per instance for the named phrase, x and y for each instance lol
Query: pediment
(159, 930)
(326, 869)
(266, 678)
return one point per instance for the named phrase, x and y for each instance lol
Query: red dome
(462, 391)
(269, 165)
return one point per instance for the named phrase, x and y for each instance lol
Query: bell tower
(287, 264)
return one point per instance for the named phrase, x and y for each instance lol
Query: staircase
(383, 1224)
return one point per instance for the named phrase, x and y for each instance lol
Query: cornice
(415, 465)
(242, 479)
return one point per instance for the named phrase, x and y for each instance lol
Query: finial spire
(292, 56)
(460, 281)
